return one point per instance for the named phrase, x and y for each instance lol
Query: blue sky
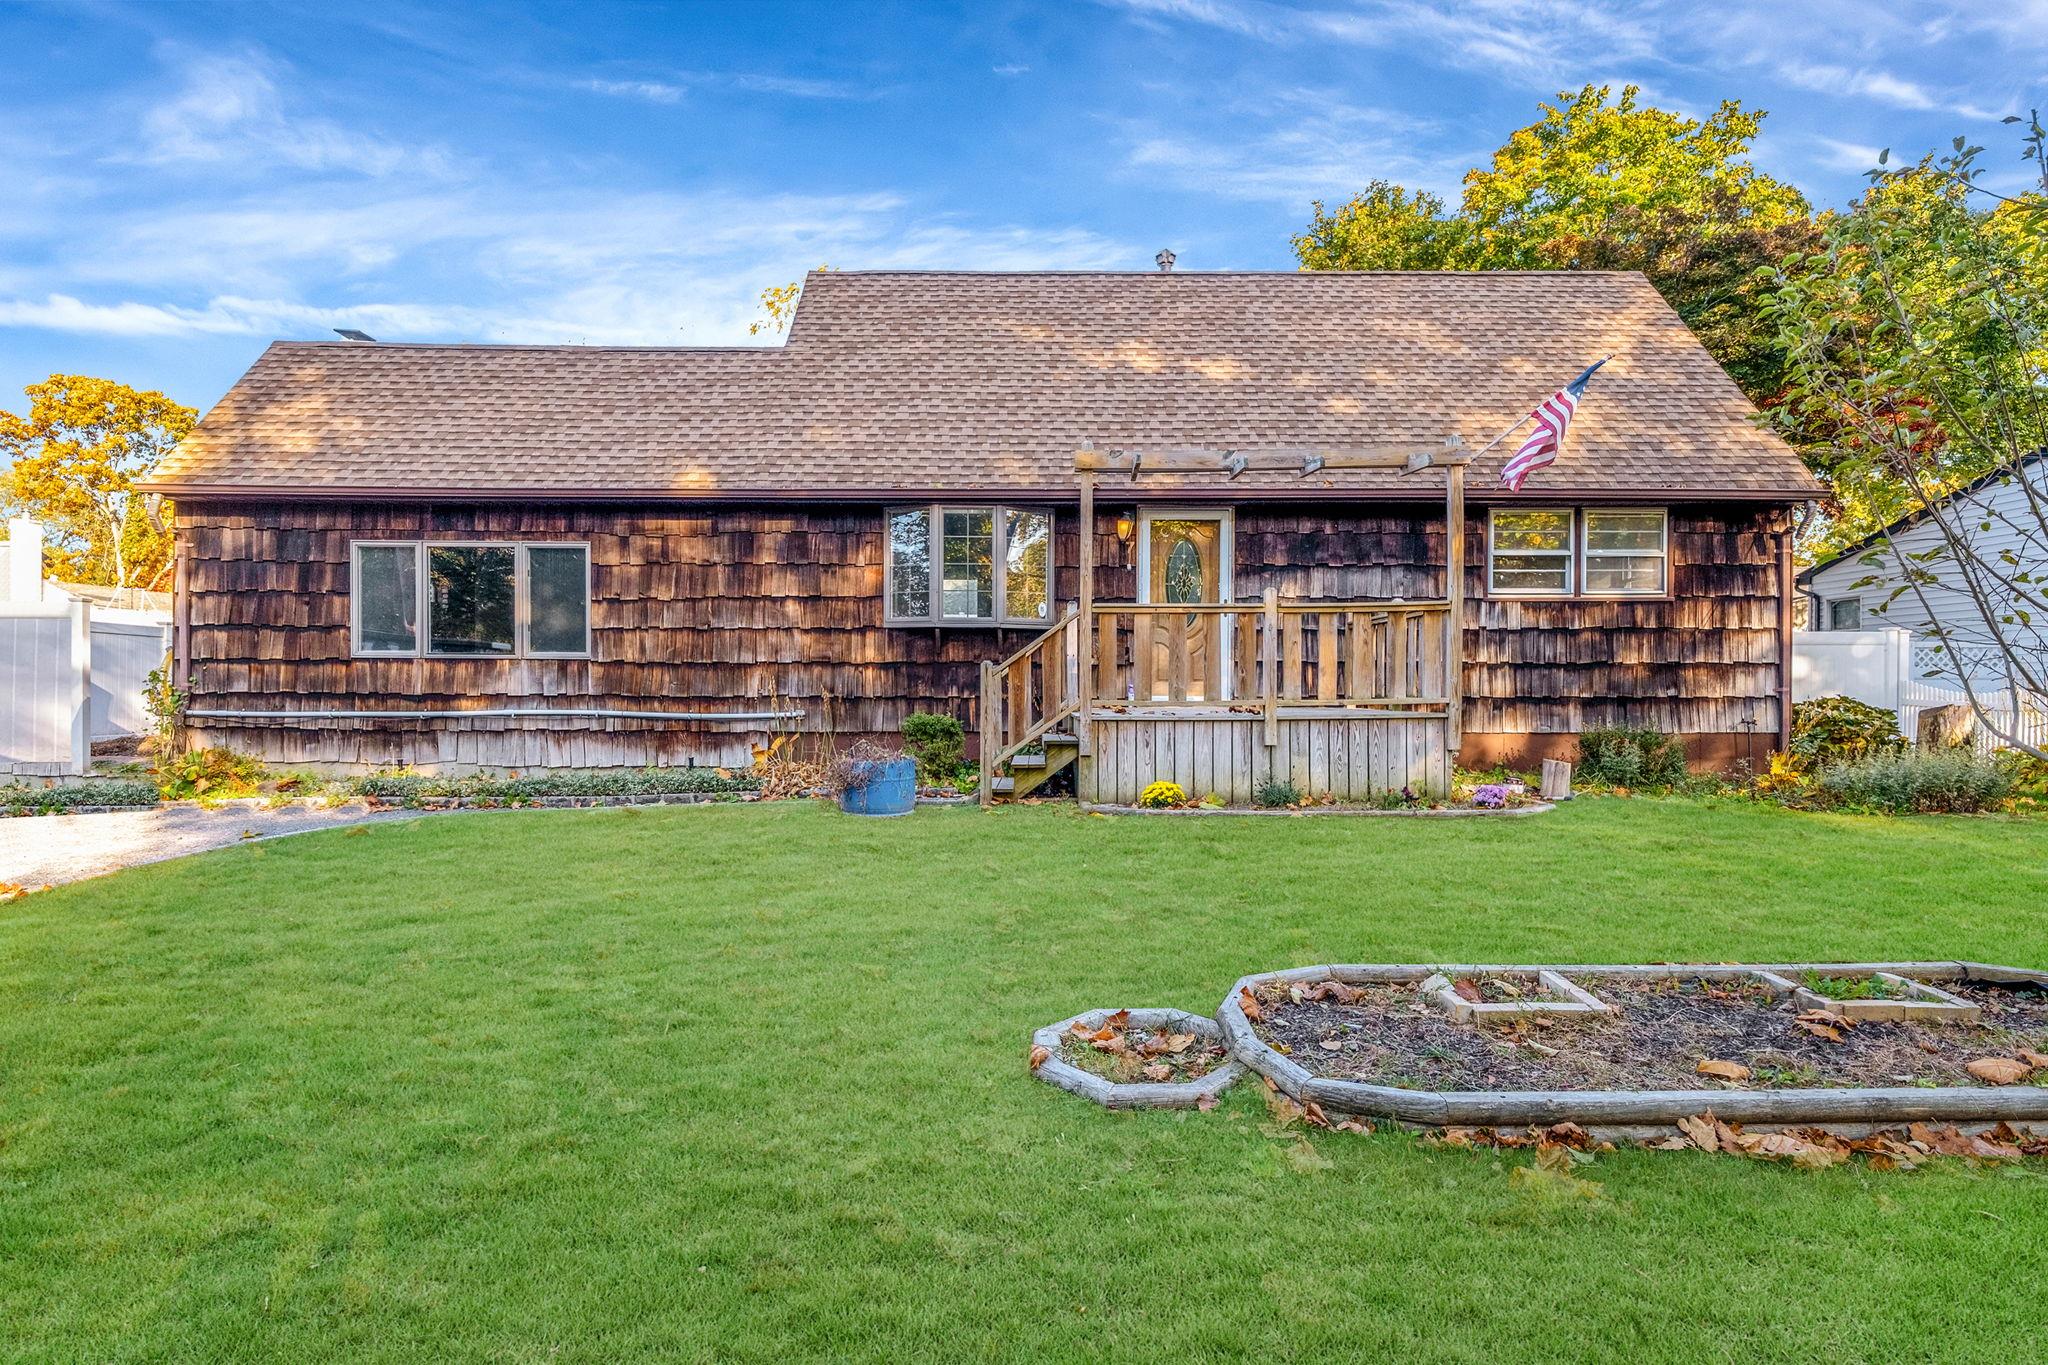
(184, 182)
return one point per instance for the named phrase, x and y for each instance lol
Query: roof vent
(1165, 259)
(351, 334)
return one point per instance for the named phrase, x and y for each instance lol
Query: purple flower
(1492, 796)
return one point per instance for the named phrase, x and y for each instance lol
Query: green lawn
(747, 1083)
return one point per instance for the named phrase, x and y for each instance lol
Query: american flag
(1553, 419)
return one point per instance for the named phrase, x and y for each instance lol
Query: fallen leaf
(1040, 1056)
(1467, 989)
(1507, 988)
(1828, 1017)
(1723, 1071)
(1297, 992)
(1158, 1071)
(1113, 1044)
(1331, 1045)
(1352, 1126)
(2037, 1060)
(1700, 1131)
(1102, 1035)
(1998, 1070)
(1121, 1019)
(1313, 1112)
(1078, 1027)
(1179, 1042)
(1820, 1030)
(1333, 990)
(1207, 1101)
(1249, 1003)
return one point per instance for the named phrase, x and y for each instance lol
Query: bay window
(968, 565)
(465, 599)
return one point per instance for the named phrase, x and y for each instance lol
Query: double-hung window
(1529, 552)
(968, 565)
(1578, 552)
(463, 599)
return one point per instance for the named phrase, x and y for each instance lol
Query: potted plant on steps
(871, 780)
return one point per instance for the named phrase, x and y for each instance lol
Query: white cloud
(654, 92)
(345, 228)
(1292, 146)
(228, 112)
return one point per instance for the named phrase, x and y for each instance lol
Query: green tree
(1600, 183)
(1917, 340)
(75, 460)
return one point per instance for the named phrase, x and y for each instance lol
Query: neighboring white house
(1854, 606)
(1859, 588)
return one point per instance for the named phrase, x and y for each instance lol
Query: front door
(1184, 555)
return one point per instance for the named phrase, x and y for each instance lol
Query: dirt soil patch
(1385, 1034)
(1124, 1055)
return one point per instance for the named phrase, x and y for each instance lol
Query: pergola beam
(1404, 456)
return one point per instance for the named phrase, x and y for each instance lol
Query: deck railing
(1380, 655)
(1269, 658)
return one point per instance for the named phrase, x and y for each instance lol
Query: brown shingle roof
(915, 382)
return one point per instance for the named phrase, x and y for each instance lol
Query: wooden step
(1027, 760)
(1003, 786)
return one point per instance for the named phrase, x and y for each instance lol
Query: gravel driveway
(44, 850)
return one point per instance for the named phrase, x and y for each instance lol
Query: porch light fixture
(1126, 532)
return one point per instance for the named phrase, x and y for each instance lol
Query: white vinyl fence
(70, 675)
(1889, 668)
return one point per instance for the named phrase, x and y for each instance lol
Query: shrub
(1162, 796)
(207, 775)
(26, 798)
(1917, 781)
(164, 704)
(1277, 793)
(408, 789)
(1830, 728)
(937, 742)
(1621, 756)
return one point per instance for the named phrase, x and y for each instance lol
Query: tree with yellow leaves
(75, 460)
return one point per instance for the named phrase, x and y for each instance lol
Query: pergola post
(1086, 669)
(1454, 594)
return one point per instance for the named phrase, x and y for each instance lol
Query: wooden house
(1171, 524)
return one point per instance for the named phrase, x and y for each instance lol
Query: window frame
(1576, 573)
(935, 527)
(423, 633)
(1568, 555)
(1583, 515)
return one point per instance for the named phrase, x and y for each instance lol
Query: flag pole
(1511, 429)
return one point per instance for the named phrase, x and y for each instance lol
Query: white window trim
(1663, 552)
(935, 527)
(522, 612)
(1567, 556)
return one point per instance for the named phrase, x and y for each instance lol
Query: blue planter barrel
(891, 790)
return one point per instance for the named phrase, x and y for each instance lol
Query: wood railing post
(990, 700)
(1270, 652)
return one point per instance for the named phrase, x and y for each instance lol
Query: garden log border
(1524, 1108)
(1136, 1094)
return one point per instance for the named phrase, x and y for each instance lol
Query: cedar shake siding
(747, 608)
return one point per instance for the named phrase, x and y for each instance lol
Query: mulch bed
(1124, 1055)
(1384, 1034)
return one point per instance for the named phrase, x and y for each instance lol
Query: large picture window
(466, 599)
(1578, 552)
(981, 565)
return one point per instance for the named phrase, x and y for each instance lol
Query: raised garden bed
(1675, 1041)
(1507, 997)
(1882, 996)
(1136, 1059)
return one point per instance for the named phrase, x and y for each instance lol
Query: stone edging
(2025, 1104)
(423, 803)
(1142, 1094)
(1445, 812)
